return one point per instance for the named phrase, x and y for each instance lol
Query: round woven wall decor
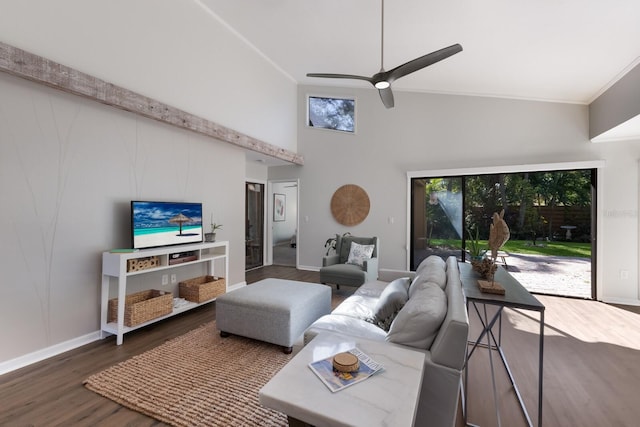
(350, 205)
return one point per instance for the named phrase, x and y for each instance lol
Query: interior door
(254, 229)
(284, 231)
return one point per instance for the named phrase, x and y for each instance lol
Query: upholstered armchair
(351, 267)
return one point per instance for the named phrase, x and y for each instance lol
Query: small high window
(331, 113)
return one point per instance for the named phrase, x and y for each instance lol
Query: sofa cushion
(433, 261)
(372, 288)
(449, 347)
(419, 286)
(359, 253)
(358, 306)
(392, 299)
(432, 269)
(344, 325)
(414, 284)
(362, 303)
(418, 322)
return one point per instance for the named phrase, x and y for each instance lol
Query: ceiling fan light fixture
(382, 79)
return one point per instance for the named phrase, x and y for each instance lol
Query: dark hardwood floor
(50, 393)
(591, 368)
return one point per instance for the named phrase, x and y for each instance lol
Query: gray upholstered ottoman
(272, 310)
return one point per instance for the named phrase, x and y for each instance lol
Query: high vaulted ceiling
(561, 50)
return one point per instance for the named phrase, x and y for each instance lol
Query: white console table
(114, 265)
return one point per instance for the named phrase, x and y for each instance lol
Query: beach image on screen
(165, 223)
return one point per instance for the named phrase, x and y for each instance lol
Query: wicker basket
(142, 307)
(202, 288)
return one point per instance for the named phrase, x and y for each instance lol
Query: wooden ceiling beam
(23, 64)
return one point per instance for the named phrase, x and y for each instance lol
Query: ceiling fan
(382, 80)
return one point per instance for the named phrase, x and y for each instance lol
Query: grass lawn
(573, 249)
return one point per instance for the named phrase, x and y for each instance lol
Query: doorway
(551, 215)
(254, 225)
(285, 223)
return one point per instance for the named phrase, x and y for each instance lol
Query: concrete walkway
(557, 275)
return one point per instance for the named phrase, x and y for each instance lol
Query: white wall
(428, 131)
(615, 108)
(172, 51)
(256, 172)
(68, 170)
(69, 166)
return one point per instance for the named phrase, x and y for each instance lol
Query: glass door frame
(264, 220)
(596, 184)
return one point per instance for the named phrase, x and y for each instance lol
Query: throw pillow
(358, 253)
(419, 286)
(432, 260)
(393, 297)
(418, 322)
(414, 283)
(432, 269)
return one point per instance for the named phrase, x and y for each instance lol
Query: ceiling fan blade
(382, 80)
(387, 97)
(423, 61)
(339, 76)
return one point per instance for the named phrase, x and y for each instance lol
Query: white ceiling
(561, 50)
(549, 50)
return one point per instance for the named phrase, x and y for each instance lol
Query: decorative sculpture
(498, 235)
(484, 267)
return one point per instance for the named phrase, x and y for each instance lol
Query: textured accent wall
(68, 170)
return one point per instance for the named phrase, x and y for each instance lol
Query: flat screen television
(156, 224)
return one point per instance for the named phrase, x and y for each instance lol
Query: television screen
(155, 224)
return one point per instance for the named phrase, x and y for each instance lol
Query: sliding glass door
(551, 216)
(436, 218)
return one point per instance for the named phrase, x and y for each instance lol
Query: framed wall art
(279, 207)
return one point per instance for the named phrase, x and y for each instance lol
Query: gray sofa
(424, 310)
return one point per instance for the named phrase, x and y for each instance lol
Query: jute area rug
(197, 379)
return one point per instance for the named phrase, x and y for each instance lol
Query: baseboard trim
(308, 268)
(237, 286)
(54, 350)
(621, 301)
(45, 353)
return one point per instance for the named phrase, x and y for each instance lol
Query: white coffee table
(388, 398)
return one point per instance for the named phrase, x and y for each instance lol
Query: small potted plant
(331, 242)
(211, 236)
(480, 264)
(475, 250)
